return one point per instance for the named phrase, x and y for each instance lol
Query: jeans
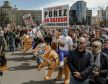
(38, 60)
(11, 45)
(63, 54)
(74, 81)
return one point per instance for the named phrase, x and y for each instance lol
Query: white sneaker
(61, 63)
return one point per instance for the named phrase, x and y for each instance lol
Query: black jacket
(80, 62)
(104, 64)
(3, 60)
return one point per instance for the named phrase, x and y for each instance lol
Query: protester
(2, 41)
(105, 47)
(11, 39)
(17, 41)
(55, 37)
(73, 35)
(99, 74)
(80, 59)
(48, 38)
(98, 36)
(65, 45)
(80, 63)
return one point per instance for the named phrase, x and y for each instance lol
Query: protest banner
(28, 20)
(57, 16)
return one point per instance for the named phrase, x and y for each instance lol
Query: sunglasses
(94, 46)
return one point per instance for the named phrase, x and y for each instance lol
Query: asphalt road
(22, 70)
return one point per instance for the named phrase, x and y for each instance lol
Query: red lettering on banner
(61, 19)
(58, 19)
(54, 20)
(51, 20)
(46, 20)
(64, 19)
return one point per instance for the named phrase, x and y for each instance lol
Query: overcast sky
(40, 4)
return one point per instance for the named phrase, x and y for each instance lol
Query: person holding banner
(37, 38)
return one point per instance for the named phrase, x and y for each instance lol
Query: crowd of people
(86, 49)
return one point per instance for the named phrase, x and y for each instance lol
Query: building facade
(36, 16)
(102, 17)
(15, 16)
(72, 17)
(88, 17)
(102, 14)
(95, 20)
(80, 8)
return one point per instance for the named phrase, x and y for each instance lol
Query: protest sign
(28, 20)
(57, 16)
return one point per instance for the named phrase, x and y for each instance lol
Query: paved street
(76, 29)
(22, 70)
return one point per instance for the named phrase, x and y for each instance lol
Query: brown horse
(50, 59)
(26, 43)
(49, 56)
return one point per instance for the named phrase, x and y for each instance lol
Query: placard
(57, 16)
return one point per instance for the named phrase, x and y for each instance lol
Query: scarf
(97, 60)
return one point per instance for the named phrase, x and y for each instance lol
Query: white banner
(56, 16)
(28, 20)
